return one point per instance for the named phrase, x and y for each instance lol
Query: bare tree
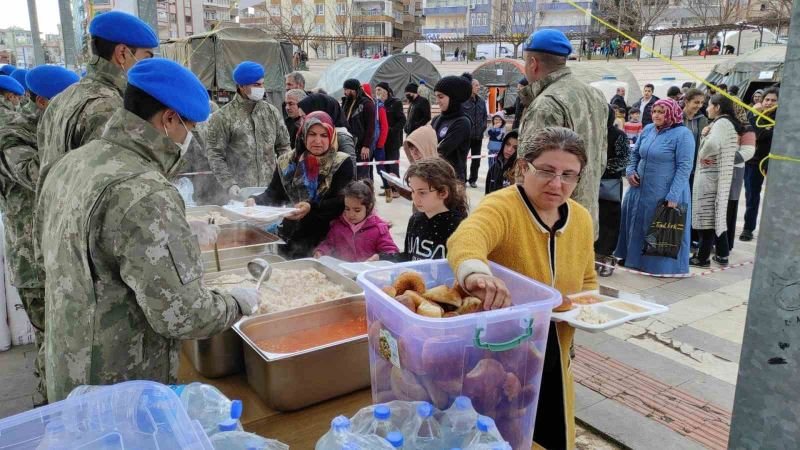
(295, 23)
(514, 20)
(713, 12)
(346, 26)
(780, 10)
(634, 17)
(315, 45)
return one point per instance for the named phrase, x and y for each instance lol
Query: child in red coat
(358, 234)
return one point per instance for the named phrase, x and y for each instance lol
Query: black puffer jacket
(475, 110)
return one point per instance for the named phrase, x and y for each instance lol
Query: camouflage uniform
(124, 278)
(77, 116)
(243, 141)
(19, 171)
(560, 99)
(7, 111)
(427, 93)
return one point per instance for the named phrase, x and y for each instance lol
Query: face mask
(410, 97)
(256, 93)
(183, 146)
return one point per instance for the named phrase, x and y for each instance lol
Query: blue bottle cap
(340, 423)
(425, 410)
(228, 425)
(236, 409)
(462, 402)
(382, 412)
(609, 77)
(177, 388)
(485, 423)
(395, 438)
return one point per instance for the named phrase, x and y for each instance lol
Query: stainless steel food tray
(221, 354)
(237, 244)
(288, 382)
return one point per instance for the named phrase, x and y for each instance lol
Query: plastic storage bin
(134, 414)
(493, 357)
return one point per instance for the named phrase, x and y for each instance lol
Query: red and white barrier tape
(679, 275)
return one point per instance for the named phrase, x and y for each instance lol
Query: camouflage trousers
(33, 302)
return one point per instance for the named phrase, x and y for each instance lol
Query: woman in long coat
(658, 171)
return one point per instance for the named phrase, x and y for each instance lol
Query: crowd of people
(109, 268)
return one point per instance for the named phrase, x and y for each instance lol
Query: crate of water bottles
(494, 358)
(414, 425)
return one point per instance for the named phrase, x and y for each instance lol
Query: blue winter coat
(663, 161)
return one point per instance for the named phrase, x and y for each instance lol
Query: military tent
(756, 70)
(397, 70)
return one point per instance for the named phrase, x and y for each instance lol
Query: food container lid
(463, 402)
(236, 409)
(382, 412)
(395, 438)
(425, 410)
(485, 423)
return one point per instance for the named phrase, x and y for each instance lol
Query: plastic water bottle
(426, 434)
(237, 440)
(496, 446)
(396, 439)
(210, 407)
(381, 422)
(458, 422)
(337, 436)
(485, 433)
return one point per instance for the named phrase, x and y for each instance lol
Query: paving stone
(739, 289)
(700, 306)
(633, 429)
(694, 286)
(708, 342)
(662, 295)
(12, 406)
(585, 397)
(711, 389)
(586, 338)
(654, 365)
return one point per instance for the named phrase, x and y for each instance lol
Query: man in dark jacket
(359, 111)
(475, 109)
(645, 104)
(291, 113)
(753, 180)
(452, 126)
(419, 109)
(394, 139)
(618, 100)
(519, 108)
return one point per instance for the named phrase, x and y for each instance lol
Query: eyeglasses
(548, 176)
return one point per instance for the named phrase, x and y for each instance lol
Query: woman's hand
(365, 153)
(374, 257)
(708, 162)
(672, 205)
(633, 179)
(250, 202)
(705, 130)
(491, 290)
(303, 209)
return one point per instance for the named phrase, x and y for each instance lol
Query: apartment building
(18, 46)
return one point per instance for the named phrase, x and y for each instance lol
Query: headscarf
(673, 115)
(308, 177)
(325, 103)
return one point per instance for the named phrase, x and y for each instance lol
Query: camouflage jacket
(77, 115)
(19, 171)
(124, 278)
(7, 111)
(243, 142)
(562, 100)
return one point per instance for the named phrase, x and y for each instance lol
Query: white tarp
(431, 52)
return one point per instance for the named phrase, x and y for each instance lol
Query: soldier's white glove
(234, 191)
(247, 298)
(206, 233)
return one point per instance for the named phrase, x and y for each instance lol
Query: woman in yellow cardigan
(535, 229)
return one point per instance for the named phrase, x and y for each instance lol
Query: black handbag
(611, 190)
(665, 235)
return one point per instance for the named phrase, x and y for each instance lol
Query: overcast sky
(15, 13)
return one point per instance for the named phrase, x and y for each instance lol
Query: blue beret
(49, 81)
(247, 72)
(19, 75)
(173, 85)
(7, 69)
(549, 41)
(123, 28)
(11, 85)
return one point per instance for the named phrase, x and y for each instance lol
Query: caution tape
(678, 275)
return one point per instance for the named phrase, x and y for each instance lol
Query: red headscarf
(673, 113)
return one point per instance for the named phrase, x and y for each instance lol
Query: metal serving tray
(237, 244)
(288, 382)
(221, 354)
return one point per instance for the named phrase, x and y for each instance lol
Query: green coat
(77, 115)
(562, 100)
(243, 140)
(123, 268)
(19, 171)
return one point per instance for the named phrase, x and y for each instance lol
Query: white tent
(750, 39)
(431, 52)
(662, 45)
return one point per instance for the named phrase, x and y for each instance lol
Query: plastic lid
(340, 423)
(425, 410)
(382, 412)
(228, 425)
(668, 78)
(463, 402)
(485, 423)
(236, 409)
(395, 438)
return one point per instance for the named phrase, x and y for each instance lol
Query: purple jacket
(371, 238)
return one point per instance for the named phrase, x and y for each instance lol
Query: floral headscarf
(674, 113)
(308, 177)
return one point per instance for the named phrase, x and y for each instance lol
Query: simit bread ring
(409, 281)
(443, 294)
(390, 291)
(470, 305)
(429, 309)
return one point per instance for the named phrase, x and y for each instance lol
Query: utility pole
(38, 51)
(148, 13)
(766, 410)
(67, 33)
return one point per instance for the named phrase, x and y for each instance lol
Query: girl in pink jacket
(358, 234)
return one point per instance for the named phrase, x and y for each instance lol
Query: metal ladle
(261, 270)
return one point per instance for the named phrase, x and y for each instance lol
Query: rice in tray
(214, 217)
(297, 288)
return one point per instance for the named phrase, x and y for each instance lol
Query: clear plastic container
(493, 357)
(134, 414)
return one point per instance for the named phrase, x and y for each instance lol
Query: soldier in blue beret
(7, 69)
(19, 75)
(10, 93)
(109, 214)
(20, 162)
(118, 41)
(556, 98)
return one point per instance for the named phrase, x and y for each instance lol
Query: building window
(274, 10)
(296, 10)
(320, 9)
(341, 49)
(319, 29)
(763, 7)
(187, 19)
(341, 10)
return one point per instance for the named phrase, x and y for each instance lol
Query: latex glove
(247, 298)
(234, 191)
(250, 202)
(206, 233)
